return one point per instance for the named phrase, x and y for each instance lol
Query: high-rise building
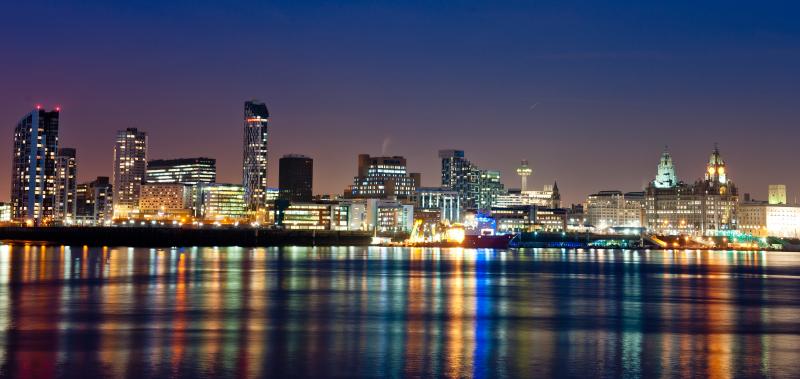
(130, 165)
(33, 173)
(254, 162)
(383, 178)
(777, 194)
(94, 205)
(189, 171)
(295, 178)
(66, 185)
(707, 207)
(476, 188)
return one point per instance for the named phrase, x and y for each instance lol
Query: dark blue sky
(589, 92)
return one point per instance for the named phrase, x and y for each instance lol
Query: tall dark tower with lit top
(254, 160)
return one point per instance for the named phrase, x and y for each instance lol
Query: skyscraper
(130, 165)
(254, 161)
(33, 175)
(66, 185)
(295, 177)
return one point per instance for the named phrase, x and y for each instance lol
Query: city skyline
(562, 88)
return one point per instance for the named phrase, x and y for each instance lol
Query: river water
(391, 312)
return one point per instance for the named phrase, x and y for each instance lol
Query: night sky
(588, 93)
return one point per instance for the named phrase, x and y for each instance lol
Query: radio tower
(524, 172)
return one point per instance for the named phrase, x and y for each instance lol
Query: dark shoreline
(167, 237)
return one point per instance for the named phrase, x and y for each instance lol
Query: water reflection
(319, 312)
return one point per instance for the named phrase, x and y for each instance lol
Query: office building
(477, 189)
(33, 172)
(94, 202)
(189, 171)
(130, 166)
(389, 216)
(166, 200)
(255, 155)
(777, 194)
(707, 207)
(383, 178)
(609, 209)
(221, 202)
(295, 178)
(349, 215)
(66, 186)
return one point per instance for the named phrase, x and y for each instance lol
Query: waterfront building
(477, 189)
(189, 171)
(349, 215)
(383, 178)
(33, 172)
(762, 219)
(5, 212)
(66, 186)
(221, 202)
(548, 197)
(525, 218)
(255, 155)
(295, 178)
(305, 216)
(609, 209)
(707, 207)
(130, 165)
(94, 202)
(777, 194)
(166, 200)
(441, 200)
(389, 216)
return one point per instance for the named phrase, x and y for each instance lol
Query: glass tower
(33, 181)
(66, 185)
(254, 161)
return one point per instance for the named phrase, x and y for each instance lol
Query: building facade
(707, 207)
(94, 202)
(66, 186)
(5, 212)
(762, 219)
(777, 194)
(166, 200)
(608, 209)
(444, 201)
(477, 189)
(296, 178)
(221, 202)
(383, 178)
(255, 155)
(130, 166)
(548, 197)
(189, 171)
(33, 173)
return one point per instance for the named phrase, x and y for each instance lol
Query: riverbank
(166, 236)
